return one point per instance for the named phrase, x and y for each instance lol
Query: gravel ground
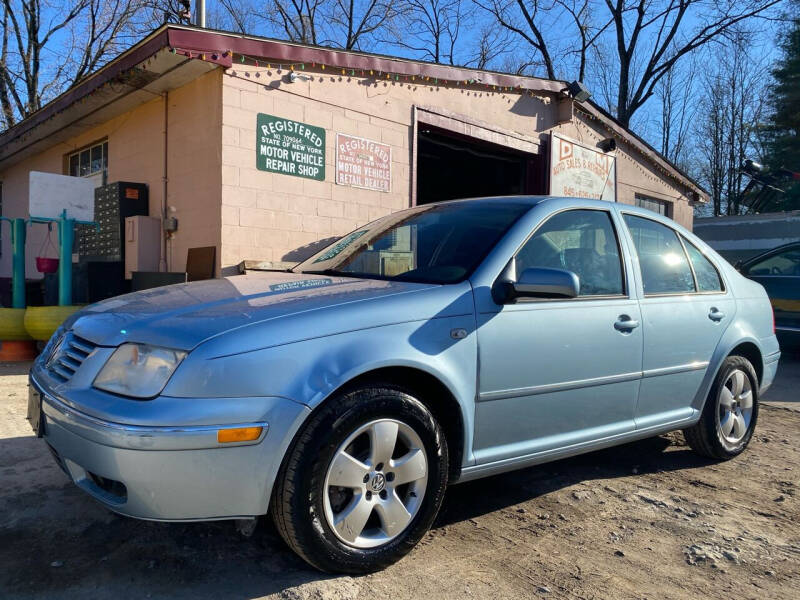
(645, 520)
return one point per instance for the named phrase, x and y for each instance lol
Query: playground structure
(53, 199)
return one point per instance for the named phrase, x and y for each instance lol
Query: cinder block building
(266, 149)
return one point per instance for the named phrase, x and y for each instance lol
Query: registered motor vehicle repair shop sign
(290, 147)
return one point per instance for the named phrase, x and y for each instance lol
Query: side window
(708, 279)
(662, 260)
(581, 241)
(784, 263)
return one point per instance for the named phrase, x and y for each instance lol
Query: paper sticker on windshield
(340, 245)
(300, 285)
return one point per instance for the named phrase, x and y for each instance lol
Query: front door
(685, 310)
(556, 373)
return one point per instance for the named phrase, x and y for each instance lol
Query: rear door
(685, 309)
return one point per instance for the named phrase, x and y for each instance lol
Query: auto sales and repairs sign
(289, 147)
(363, 163)
(578, 171)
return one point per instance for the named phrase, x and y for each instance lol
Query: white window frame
(91, 172)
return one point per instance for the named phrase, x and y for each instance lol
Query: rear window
(708, 279)
(662, 260)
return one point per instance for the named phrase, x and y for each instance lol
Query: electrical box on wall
(142, 244)
(171, 224)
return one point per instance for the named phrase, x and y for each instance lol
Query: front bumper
(171, 473)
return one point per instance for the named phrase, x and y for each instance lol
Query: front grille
(68, 355)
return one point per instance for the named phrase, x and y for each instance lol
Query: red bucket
(46, 265)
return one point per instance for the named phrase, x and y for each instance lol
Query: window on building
(581, 241)
(662, 260)
(662, 207)
(89, 162)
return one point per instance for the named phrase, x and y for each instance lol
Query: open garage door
(451, 165)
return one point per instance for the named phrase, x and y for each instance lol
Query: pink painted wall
(136, 153)
(635, 175)
(276, 217)
(221, 199)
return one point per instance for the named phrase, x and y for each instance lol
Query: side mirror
(540, 282)
(738, 265)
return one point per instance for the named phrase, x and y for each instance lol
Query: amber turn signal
(239, 434)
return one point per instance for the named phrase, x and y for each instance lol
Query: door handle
(625, 324)
(715, 314)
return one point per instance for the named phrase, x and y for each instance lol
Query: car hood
(183, 316)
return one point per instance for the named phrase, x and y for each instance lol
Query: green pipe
(18, 263)
(65, 238)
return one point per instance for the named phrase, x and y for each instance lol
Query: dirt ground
(645, 520)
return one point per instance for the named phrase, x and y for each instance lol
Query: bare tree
(579, 12)
(525, 20)
(352, 24)
(28, 35)
(666, 36)
(429, 28)
(727, 131)
(649, 36)
(101, 29)
(677, 103)
(560, 32)
(494, 43)
(6, 102)
(297, 20)
(233, 15)
(49, 45)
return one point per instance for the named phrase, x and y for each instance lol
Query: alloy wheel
(375, 483)
(735, 407)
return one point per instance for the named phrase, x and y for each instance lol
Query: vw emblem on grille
(55, 352)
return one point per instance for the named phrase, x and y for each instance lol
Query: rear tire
(362, 482)
(730, 413)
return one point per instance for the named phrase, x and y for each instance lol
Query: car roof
(561, 201)
(564, 202)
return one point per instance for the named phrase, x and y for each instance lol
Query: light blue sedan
(439, 344)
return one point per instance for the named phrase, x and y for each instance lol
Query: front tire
(362, 482)
(730, 413)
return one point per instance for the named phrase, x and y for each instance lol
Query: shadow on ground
(54, 540)
(14, 368)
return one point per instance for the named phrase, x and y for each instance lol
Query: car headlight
(138, 370)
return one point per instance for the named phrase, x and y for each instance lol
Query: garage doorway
(451, 165)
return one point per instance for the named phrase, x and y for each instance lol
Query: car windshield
(440, 243)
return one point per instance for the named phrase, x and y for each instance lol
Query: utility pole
(201, 13)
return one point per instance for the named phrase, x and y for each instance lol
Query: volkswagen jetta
(439, 344)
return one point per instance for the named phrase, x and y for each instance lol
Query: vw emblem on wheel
(378, 482)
